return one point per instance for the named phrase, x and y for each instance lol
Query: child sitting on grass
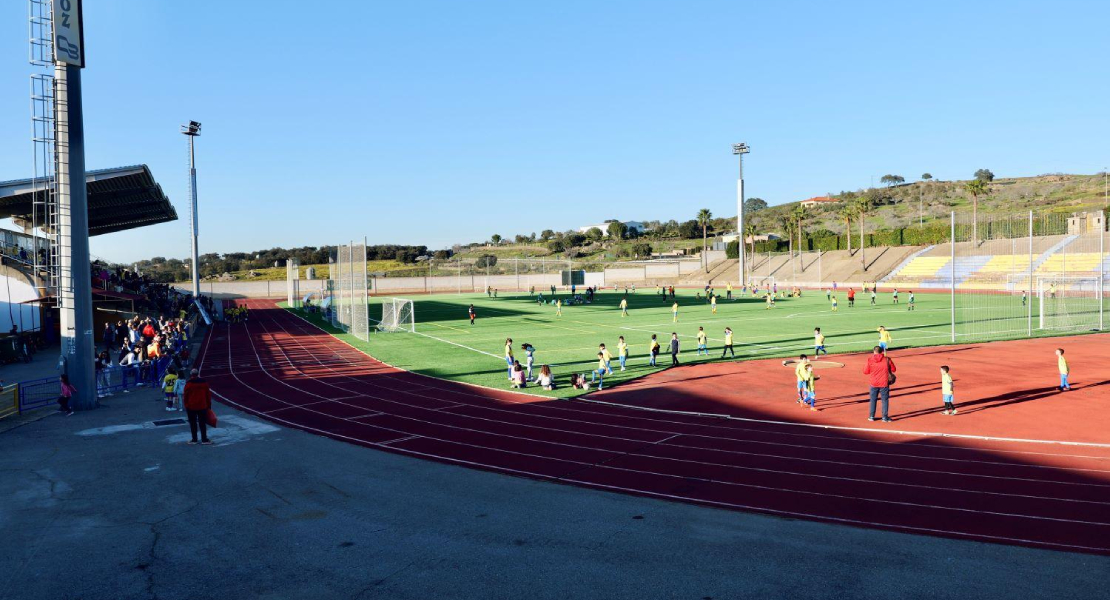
(946, 391)
(579, 382)
(545, 380)
(518, 380)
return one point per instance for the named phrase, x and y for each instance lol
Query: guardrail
(40, 393)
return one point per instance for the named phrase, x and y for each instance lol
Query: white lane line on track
(777, 472)
(313, 328)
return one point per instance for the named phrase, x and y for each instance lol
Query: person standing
(879, 369)
(728, 343)
(674, 349)
(66, 392)
(653, 350)
(728, 291)
(198, 401)
(624, 306)
(1062, 364)
(622, 351)
(471, 313)
(702, 339)
(851, 297)
(109, 337)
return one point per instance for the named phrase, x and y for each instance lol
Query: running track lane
(286, 370)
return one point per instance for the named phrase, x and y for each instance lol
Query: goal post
(1069, 302)
(398, 315)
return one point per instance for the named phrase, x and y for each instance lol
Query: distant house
(820, 200)
(637, 226)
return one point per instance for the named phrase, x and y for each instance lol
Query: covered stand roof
(119, 199)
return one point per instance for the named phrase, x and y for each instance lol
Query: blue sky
(440, 122)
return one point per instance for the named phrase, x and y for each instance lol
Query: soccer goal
(397, 315)
(1069, 302)
(763, 282)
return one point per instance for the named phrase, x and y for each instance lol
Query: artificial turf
(445, 345)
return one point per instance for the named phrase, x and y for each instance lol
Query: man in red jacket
(197, 400)
(879, 368)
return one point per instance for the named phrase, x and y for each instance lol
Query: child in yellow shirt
(946, 391)
(1062, 363)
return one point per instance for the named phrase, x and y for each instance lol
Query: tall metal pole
(75, 279)
(1101, 268)
(1029, 297)
(366, 289)
(740, 150)
(952, 275)
(194, 217)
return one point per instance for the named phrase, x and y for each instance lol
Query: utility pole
(192, 130)
(740, 150)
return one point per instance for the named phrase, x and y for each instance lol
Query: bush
(556, 246)
(486, 260)
(641, 249)
(732, 249)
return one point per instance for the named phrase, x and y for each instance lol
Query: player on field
(674, 313)
(946, 391)
(608, 358)
(728, 343)
(530, 357)
(624, 306)
(895, 295)
(470, 311)
(713, 303)
(802, 377)
(701, 342)
(653, 350)
(1062, 363)
(818, 342)
(622, 351)
(509, 356)
(884, 338)
(558, 307)
(811, 388)
(912, 300)
(835, 304)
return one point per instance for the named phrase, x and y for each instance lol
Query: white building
(637, 226)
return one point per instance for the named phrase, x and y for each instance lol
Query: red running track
(1044, 495)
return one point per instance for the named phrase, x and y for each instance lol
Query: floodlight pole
(740, 150)
(952, 274)
(75, 279)
(191, 131)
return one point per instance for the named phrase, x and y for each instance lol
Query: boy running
(818, 342)
(598, 374)
(884, 338)
(701, 342)
(1062, 363)
(946, 391)
(622, 351)
(873, 295)
(728, 343)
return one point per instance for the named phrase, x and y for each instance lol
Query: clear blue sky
(440, 122)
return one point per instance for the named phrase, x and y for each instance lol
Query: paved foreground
(104, 504)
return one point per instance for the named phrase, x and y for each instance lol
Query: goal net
(764, 282)
(1069, 303)
(397, 315)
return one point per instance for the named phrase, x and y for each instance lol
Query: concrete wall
(15, 289)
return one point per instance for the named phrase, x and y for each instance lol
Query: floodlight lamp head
(193, 128)
(740, 148)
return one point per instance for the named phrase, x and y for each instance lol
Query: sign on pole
(69, 39)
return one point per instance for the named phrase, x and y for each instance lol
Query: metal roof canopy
(119, 199)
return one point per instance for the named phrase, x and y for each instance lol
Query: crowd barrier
(44, 392)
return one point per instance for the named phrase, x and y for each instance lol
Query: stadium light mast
(740, 150)
(192, 130)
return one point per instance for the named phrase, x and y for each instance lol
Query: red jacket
(876, 370)
(148, 331)
(197, 395)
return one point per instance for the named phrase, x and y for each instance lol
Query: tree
(863, 206)
(976, 188)
(754, 205)
(593, 234)
(799, 220)
(574, 239)
(984, 175)
(892, 179)
(703, 218)
(786, 222)
(486, 260)
(641, 249)
(926, 176)
(546, 234)
(521, 239)
(442, 254)
(617, 230)
(496, 239)
(556, 245)
(688, 230)
(847, 213)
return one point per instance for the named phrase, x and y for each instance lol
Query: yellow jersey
(606, 355)
(674, 307)
(622, 349)
(1063, 364)
(800, 371)
(884, 336)
(508, 351)
(728, 338)
(819, 339)
(946, 384)
(701, 337)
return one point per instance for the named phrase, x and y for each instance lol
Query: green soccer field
(446, 345)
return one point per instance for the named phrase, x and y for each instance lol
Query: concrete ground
(106, 504)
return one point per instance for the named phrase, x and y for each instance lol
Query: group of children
(830, 295)
(236, 314)
(520, 375)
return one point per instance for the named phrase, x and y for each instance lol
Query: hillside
(907, 205)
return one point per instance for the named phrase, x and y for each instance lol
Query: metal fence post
(952, 274)
(1029, 297)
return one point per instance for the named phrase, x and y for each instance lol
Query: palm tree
(786, 221)
(847, 213)
(703, 220)
(975, 187)
(862, 206)
(799, 220)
